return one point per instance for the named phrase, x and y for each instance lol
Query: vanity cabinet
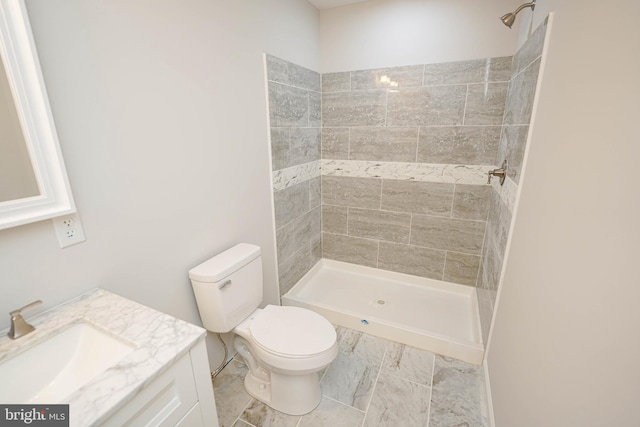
(181, 396)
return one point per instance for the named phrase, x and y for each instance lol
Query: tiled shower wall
(517, 118)
(294, 122)
(405, 152)
(396, 179)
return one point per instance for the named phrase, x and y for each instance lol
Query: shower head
(510, 18)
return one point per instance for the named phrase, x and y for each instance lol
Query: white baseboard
(487, 382)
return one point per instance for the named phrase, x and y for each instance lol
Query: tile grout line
(417, 144)
(433, 371)
(410, 227)
(375, 384)
(244, 408)
(444, 266)
(343, 404)
(482, 253)
(464, 112)
(408, 380)
(446, 252)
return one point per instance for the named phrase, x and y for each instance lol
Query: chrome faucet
(19, 327)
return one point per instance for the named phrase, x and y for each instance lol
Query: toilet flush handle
(224, 284)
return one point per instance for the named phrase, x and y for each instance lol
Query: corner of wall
(487, 385)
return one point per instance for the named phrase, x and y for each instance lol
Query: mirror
(33, 180)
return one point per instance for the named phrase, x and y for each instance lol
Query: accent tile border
(425, 172)
(285, 178)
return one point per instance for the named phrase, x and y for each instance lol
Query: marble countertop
(159, 340)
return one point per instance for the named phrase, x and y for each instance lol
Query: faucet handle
(26, 307)
(501, 172)
(19, 327)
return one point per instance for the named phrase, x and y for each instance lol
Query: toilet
(284, 347)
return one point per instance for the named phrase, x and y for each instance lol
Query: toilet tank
(228, 287)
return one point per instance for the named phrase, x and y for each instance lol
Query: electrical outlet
(68, 230)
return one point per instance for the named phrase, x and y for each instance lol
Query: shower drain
(378, 302)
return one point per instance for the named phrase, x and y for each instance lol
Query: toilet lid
(292, 331)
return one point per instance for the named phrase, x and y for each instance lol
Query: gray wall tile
(365, 108)
(490, 270)
(407, 76)
(316, 247)
(279, 148)
(465, 145)
(315, 110)
(512, 145)
(530, 50)
(288, 106)
(413, 260)
(336, 82)
(461, 268)
(447, 234)
(499, 69)
(350, 249)
(293, 268)
(384, 144)
(485, 104)
(354, 192)
(417, 197)
(471, 202)
(291, 203)
(473, 71)
(335, 143)
(315, 196)
(297, 234)
(334, 219)
(379, 225)
(305, 145)
(485, 311)
(281, 71)
(438, 105)
(498, 223)
(522, 90)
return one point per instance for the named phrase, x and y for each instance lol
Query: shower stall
(385, 220)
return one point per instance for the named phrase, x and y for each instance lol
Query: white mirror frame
(20, 59)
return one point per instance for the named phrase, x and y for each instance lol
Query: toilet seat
(292, 332)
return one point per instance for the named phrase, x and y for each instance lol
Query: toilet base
(285, 392)
(290, 394)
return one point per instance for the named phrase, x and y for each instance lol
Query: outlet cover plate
(69, 230)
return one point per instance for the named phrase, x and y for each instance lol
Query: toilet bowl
(284, 347)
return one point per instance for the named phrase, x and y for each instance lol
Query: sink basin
(60, 365)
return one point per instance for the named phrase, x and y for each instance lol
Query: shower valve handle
(501, 172)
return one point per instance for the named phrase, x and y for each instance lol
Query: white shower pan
(428, 314)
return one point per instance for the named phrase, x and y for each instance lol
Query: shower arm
(532, 5)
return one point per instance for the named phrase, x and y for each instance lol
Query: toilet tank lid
(225, 263)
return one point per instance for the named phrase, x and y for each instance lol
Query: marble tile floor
(372, 382)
